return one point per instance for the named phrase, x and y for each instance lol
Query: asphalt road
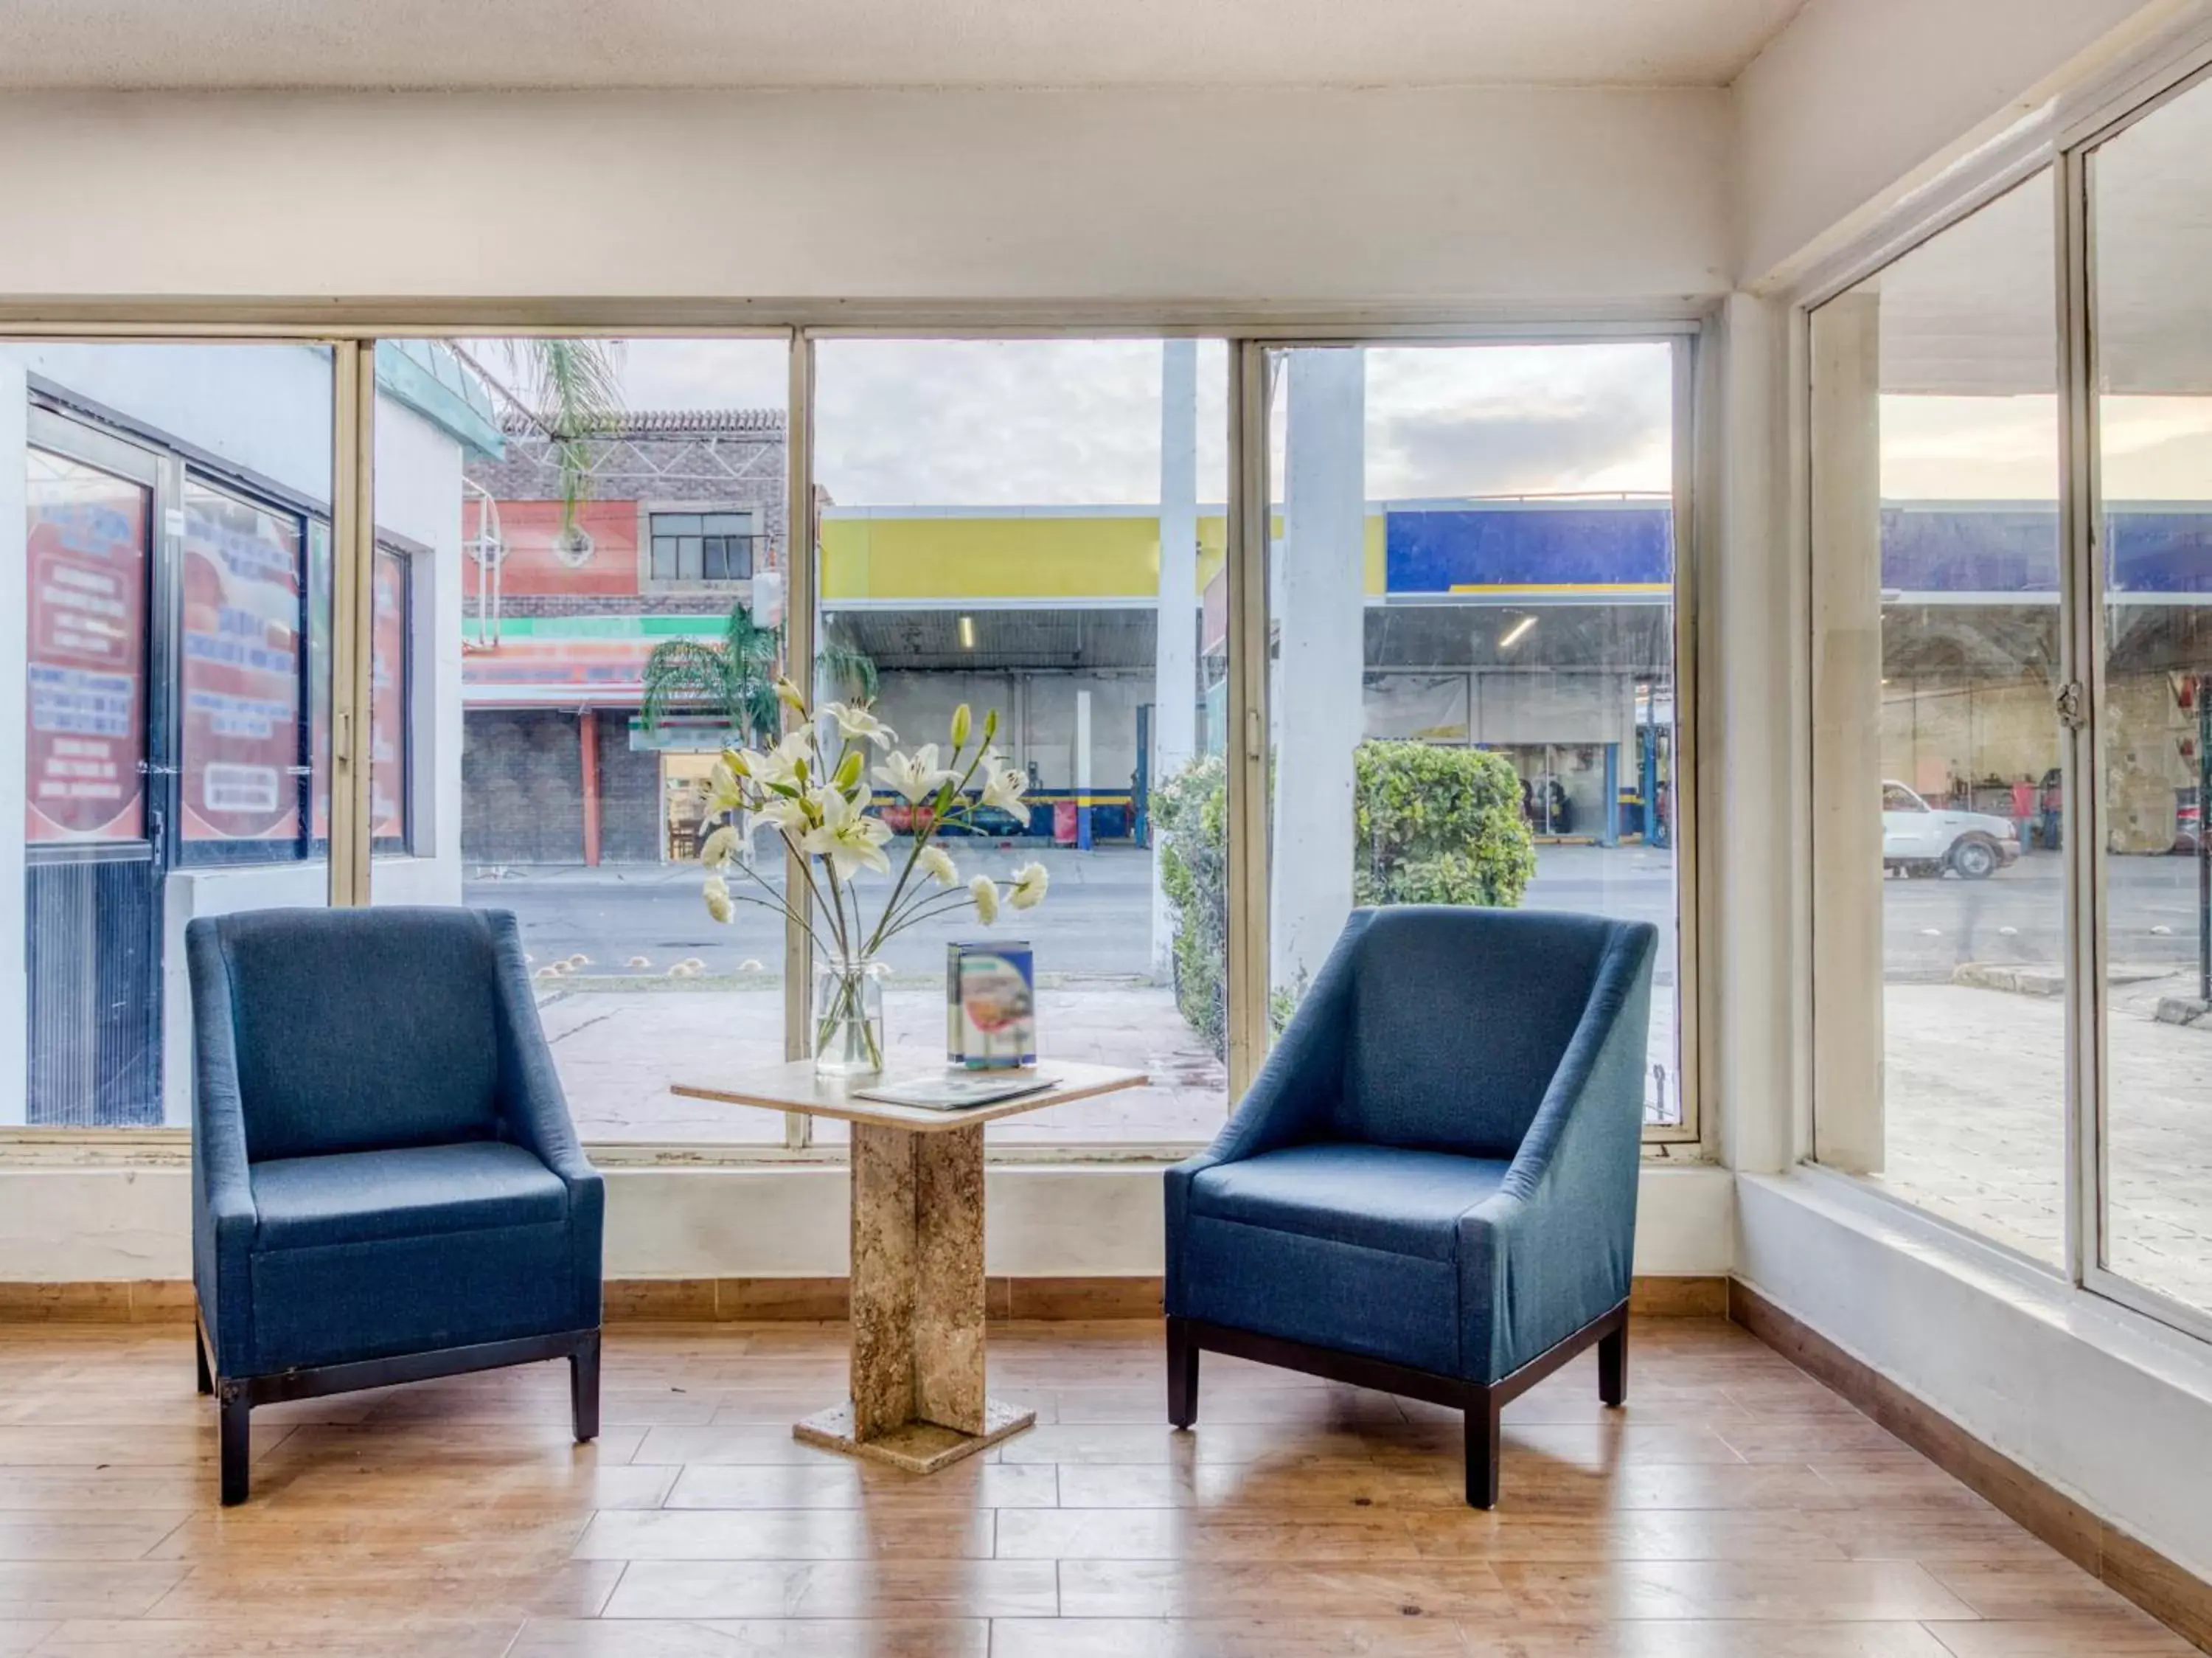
(1097, 917)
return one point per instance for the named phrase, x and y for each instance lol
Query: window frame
(1247, 339)
(2062, 141)
(758, 541)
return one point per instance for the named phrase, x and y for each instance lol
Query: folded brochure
(952, 1090)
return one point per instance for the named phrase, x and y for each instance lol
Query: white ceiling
(437, 44)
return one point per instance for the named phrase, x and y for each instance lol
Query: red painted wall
(529, 529)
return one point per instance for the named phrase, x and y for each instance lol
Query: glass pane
(1501, 519)
(2152, 196)
(245, 596)
(725, 524)
(169, 494)
(525, 640)
(1028, 528)
(675, 523)
(688, 558)
(1941, 1019)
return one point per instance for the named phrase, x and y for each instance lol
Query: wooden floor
(1735, 1509)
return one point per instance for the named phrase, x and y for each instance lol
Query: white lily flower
(916, 776)
(847, 837)
(724, 793)
(937, 864)
(1003, 789)
(1027, 890)
(783, 814)
(720, 848)
(858, 725)
(717, 893)
(779, 765)
(986, 894)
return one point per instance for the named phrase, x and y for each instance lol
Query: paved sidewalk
(619, 1050)
(1975, 1128)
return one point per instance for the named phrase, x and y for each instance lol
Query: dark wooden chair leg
(1613, 1365)
(1482, 1448)
(236, 1433)
(199, 1358)
(1182, 1374)
(584, 1388)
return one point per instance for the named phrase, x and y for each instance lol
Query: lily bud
(961, 717)
(849, 772)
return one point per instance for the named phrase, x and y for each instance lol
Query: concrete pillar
(1081, 780)
(1846, 801)
(1175, 694)
(1320, 617)
(588, 754)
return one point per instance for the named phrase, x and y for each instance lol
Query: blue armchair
(385, 1184)
(1430, 1189)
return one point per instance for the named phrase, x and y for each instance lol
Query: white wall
(84, 1223)
(2114, 1411)
(1555, 196)
(1857, 97)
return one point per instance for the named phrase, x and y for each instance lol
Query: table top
(794, 1087)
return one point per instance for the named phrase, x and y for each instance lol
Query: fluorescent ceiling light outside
(1517, 633)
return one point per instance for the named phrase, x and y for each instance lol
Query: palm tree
(571, 391)
(733, 678)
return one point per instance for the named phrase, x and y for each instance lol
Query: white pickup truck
(1920, 840)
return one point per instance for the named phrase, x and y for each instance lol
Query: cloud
(1077, 422)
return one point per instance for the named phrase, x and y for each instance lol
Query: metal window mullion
(2080, 605)
(353, 576)
(799, 585)
(1690, 898)
(1247, 748)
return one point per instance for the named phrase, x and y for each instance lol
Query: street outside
(641, 989)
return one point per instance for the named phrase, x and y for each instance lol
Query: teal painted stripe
(607, 627)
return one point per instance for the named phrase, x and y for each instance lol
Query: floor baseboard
(730, 1301)
(2173, 1595)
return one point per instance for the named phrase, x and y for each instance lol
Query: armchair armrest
(534, 1110)
(1552, 1249)
(224, 1216)
(1293, 1092)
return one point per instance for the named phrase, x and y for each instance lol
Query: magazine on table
(955, 1090)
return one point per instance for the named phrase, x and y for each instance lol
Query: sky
(1074, 422)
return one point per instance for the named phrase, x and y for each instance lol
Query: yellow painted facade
(1021, 556)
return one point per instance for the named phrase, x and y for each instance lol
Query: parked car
(1920, 840)
(2187, 818)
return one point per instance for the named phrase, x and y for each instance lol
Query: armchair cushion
(359, 1197)
(1381, 1197)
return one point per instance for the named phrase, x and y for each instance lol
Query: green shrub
(1438, 825)
(1190, 817)
(1430, 826)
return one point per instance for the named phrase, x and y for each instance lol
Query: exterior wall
(525, 795)
(262, 411)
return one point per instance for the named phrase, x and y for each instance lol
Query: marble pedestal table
(917, 1276)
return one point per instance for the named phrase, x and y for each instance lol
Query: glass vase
(848, 1020)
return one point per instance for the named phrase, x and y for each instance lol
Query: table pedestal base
(919, 1448)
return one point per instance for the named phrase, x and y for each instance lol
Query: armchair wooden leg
(1182, 1374)
(584, 1388)
(1613, 1365)
(1482, 1448)
(236, 1435)
(199, 1359)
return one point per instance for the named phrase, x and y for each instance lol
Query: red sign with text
(89, 536)
(242, 669)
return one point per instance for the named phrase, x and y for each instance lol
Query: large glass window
(1939, 1026)
(1473, 690)
(577, 606)
(170, 499)
(1035, 528)
(2151, 224)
